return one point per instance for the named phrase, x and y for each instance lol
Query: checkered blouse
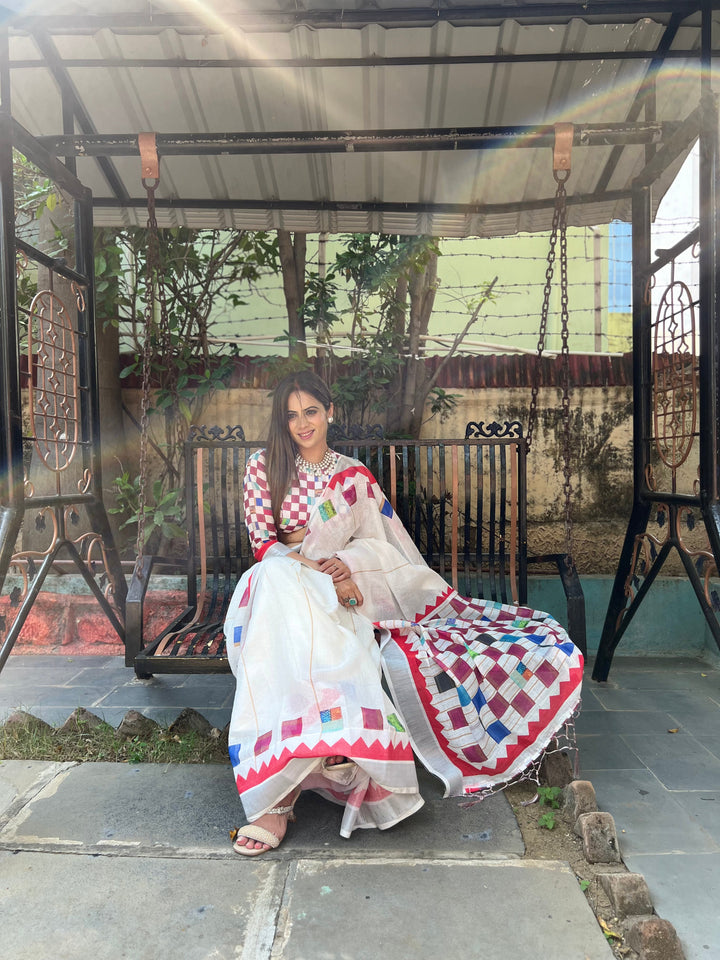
(295, 511)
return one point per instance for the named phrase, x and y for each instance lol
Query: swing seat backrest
(463, 502)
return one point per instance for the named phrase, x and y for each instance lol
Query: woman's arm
(258, 510)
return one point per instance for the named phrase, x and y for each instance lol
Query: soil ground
(560, 843)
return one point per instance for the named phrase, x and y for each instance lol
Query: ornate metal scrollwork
(203, 432)
(675, 376)
(52, 356)
(510, 430)
(339, 432)
(79, 294)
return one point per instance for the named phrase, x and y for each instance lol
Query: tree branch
(487, 295)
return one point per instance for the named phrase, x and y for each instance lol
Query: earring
(331, 419)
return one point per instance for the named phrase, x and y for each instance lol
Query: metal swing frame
(664, 145)
(65, 417)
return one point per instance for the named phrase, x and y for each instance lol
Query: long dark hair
(280, 452)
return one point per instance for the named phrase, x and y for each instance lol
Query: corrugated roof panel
(266, 99)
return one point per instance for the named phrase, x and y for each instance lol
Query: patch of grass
(36, 742)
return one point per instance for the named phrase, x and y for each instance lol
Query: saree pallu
(478, 688)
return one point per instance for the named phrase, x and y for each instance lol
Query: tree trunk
(292, 264)
(421, 287)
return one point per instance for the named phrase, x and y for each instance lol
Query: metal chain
(558, 230)
(549, 272)
(565, 377)
(151, 277)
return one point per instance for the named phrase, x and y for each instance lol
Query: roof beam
(360, 141)
(633, 113)
(343, 206)
(614, 10)
(685, 135)
(250, 63)
(75, 106)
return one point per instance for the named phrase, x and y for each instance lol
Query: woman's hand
(335, 568)
(348, 594)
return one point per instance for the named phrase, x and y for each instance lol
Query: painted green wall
(511, 322)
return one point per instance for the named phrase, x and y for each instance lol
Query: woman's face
(307, 421)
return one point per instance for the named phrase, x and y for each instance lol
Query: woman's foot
(334, 761)
(271, 827)
(339, 769)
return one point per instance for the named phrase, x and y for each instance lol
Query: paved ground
(134, 861)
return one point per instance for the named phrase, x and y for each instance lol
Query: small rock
(654, 939)
(190, 721)
(599, 837)
(81, 721)
(628, 894)
(134, 724)
(579, 798)
(556, 769)
(221, 735)
(20, 720)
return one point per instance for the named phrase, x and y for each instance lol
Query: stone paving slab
(22, 779)
(187, 810)
(68, 907)
(108, 907)
(649, 818)
(685, 891)
(429, 909)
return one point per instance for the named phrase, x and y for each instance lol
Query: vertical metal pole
(4, 70)
(68, 121)
(642, 331)
(90, 394)
(11, 459)
(708, 271)
(84, 264)
(642, 407)
(709, 359)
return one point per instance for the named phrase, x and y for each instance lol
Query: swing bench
(463, 501)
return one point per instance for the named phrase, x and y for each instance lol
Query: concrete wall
(601, 458)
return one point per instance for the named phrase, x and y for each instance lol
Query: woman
(478, 688)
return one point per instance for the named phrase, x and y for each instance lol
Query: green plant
(163, 509)
(584, 884)
(442, 404)
(547, 820)
(550, 797)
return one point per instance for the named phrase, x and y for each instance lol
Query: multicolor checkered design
(296, 506)
(331, 719)
(486, 688)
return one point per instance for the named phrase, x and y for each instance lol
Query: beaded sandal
(251, 832)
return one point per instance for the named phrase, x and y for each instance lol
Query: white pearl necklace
(325, 465)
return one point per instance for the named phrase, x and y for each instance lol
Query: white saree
(478, 688)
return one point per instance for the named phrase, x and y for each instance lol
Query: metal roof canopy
(404, 118)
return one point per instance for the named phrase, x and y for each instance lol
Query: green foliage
(35, 194)
(547, 820)
(163, 508)
(584, 885)
(442, 404)
(382, 287)
(550, 797)
(167, 312)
